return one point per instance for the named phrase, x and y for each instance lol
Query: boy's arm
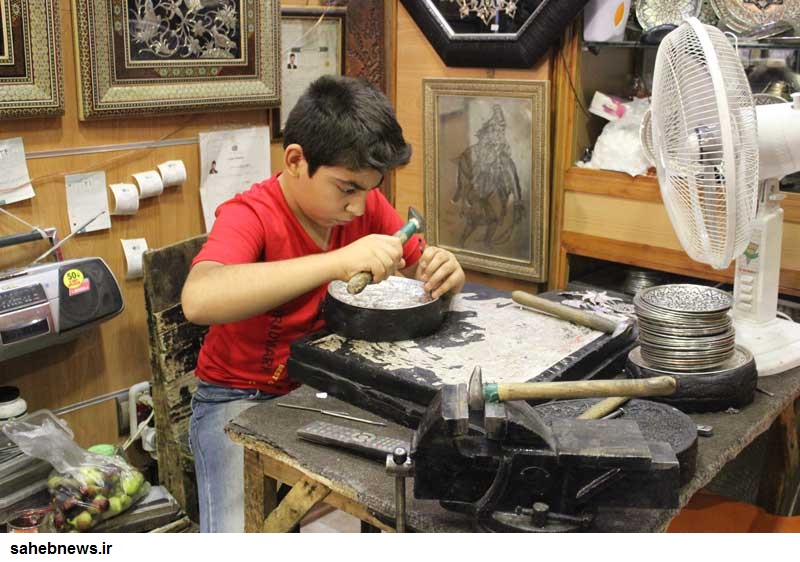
(215, 293)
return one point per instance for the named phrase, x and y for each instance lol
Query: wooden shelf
(643, 188)
(612, 184)
(612, 216)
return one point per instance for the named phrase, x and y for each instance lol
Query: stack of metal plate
(685, 327)
(637, 280)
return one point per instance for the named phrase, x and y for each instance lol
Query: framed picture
(493, 34)
(486, 173)
(30, 59)
(139, 57)
(312, 45)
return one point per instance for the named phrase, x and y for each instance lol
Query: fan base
(775, 345)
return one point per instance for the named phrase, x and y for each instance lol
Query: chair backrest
(174, 345)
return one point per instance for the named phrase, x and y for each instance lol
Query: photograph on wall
(140, 57)
(312, 46)
(486, 187)
(30, 59)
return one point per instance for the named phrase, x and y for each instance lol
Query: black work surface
(275, 427)
(397, 380)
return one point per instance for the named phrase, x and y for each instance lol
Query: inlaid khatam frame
(30, 59)
(144, 57)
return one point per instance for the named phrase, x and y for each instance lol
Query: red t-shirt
(256, 226)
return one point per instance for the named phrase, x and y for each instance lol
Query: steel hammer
(415, 224)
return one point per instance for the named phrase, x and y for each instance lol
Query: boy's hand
(378, 254)
(440, 271)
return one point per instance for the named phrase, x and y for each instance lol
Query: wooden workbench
(483, 327)
(362, 487)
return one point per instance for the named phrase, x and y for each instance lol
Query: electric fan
(719, 159)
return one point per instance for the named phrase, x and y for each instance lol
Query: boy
(262, 275)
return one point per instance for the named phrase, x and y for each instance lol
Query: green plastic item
(491, 392)
(103, 449)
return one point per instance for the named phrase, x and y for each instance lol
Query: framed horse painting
(486, 155)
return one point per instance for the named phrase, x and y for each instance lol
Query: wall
(414, 60)
(114, 356)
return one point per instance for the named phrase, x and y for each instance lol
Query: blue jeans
(218, 461)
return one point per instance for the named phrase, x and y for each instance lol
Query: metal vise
(510, 470)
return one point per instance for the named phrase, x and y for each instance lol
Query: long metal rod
(400, 502)
(109, 148)
(77, 231)
(334, 414)
(92, 401)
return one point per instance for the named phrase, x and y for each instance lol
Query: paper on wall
(15, 183)
(126, 198)
(231, 162)
(86, 197)
(134, 248)
(150, 184)
(173, 172)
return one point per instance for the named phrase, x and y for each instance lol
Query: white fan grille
(706, 142)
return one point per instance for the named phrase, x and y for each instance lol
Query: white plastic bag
(618, 147)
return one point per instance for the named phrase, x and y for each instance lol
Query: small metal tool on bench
(331, 413)
(415, 224)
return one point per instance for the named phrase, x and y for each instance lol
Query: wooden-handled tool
(415, 224)
(479, 393)
(581, 317)
(503, 392)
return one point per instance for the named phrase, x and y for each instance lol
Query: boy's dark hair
(342, 121)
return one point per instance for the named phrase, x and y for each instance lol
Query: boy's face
(335, 195)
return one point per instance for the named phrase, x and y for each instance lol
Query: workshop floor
(333, 522)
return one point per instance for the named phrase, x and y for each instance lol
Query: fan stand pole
(774, 342)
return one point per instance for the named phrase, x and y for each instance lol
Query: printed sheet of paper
(231, 162)
(15, 183)
(126, 198)
(134, 248)
(86, 197)
(310, 49)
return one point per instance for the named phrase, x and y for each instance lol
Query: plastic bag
(85, 487)
(619, 147)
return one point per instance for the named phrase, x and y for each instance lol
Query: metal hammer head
(415, 217)
(475, 397)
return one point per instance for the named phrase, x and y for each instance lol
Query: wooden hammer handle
(603, 408)
(358, 282)
(655, 386)
(564, 312)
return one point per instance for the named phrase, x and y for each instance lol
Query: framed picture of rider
(486, 173)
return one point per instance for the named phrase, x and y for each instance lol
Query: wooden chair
(174, 345)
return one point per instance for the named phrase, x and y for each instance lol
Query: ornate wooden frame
(137, 58)
(522, 49)
(531, 263)
(30, 59)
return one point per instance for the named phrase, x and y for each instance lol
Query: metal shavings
(532, 343)
(394, 293)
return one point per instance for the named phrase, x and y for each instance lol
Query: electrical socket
(123, 421)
